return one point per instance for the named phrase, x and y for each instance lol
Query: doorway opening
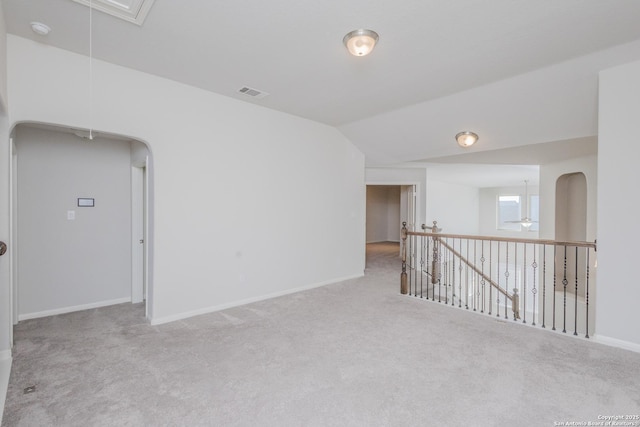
(571, 207)
(388, 206)
(79, 208)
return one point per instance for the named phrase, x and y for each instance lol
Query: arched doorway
(72, 219)
(571, 207)
(571, 225)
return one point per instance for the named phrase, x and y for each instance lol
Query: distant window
(509, 213)
(511, 210)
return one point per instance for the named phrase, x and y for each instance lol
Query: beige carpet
(350, 354)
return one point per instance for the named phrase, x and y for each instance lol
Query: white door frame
(146, 236)
(409, 192)
(13, 233)
(139, 224)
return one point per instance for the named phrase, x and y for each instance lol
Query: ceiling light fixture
(360, 42)
(40, 29)
(466, 139)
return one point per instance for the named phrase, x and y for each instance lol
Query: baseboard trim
(212, 309)
(614, 342)
(71, 309)
(5, 373)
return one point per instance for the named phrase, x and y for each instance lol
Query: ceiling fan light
(466, 139)
(360, 42)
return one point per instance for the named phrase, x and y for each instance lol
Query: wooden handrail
(507, 239)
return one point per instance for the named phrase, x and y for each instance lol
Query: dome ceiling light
(360, 42)
(466, 139)
(40, 29)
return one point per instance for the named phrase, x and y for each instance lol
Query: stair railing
(544, 282)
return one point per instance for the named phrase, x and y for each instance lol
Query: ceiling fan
(527, 221)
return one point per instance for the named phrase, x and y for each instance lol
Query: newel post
(403, 276)
(435, 263)
(515, 304)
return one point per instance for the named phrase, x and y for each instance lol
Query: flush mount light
(466, 139)
(40, 29)
(360, 42)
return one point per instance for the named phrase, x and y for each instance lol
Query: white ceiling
(537, 154)
(484, 175)
(440, 66)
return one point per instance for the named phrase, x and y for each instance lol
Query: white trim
(73, 308)
(206, 310)
(137, 234)
(398, 183)
(614, 342)
(5, 373)
(147, 208)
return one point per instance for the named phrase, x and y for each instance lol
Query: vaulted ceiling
(518, 72)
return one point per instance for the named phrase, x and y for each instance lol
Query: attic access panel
(134, 11)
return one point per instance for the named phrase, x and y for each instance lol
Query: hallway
(354, 353)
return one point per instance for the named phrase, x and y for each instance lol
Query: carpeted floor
(354, 353)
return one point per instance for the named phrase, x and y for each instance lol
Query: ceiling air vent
(254, 93)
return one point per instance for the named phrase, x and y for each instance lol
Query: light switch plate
(71, 215)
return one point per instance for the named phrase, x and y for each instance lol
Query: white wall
(3, 62)
(72, 263)
(454, 206)
(383, 213)
(240, 191)
(489, 211)
(618, 205)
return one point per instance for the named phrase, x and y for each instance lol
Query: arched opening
(571, 225)
(571, 207)
(81, 220)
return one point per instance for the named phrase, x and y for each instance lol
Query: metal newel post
(403, 276)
